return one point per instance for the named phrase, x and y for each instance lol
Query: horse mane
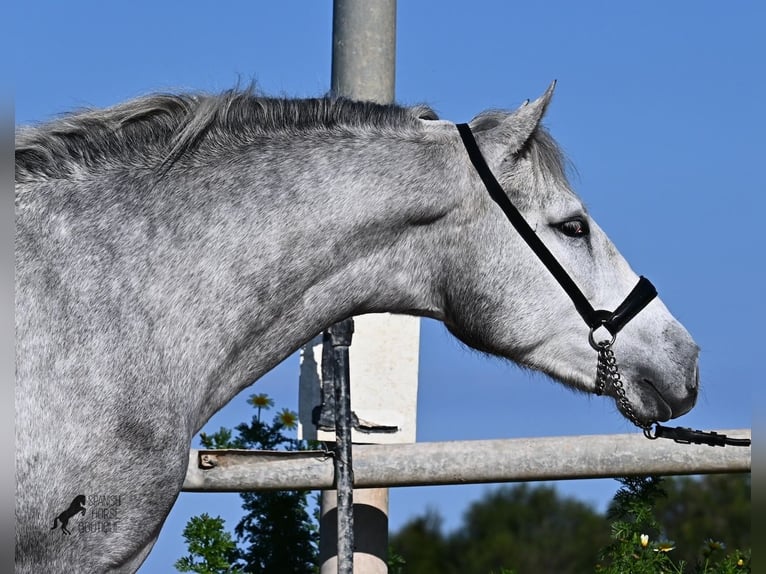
(156, 131)
(159, 130)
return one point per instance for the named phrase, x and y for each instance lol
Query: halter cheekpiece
(613, 321)
(607, 371)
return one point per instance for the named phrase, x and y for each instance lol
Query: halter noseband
(613, 321)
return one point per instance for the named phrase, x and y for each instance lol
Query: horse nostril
(650, 383)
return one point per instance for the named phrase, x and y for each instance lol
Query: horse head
(504, 301)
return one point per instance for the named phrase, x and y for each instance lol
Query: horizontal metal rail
(464, 462)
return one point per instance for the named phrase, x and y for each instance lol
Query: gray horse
(173, 249)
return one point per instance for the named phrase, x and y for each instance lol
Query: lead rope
(608, 372)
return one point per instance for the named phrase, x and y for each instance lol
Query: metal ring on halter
(648, 433)
(600, 344)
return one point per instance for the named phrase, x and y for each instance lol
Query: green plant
(278, 533)
(211, 548)
(395, 561)
(639, 547)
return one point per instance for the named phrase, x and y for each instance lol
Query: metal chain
(607, 371)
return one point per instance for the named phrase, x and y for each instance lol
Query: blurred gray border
(7, 376)
(758, 483)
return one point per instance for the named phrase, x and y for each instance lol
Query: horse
(172, 249)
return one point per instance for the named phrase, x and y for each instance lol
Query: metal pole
(364, 49)
(340, 339)
(363, 68)
(466, 462)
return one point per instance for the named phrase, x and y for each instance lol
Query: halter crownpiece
(613, 321)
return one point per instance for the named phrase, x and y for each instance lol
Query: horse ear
(501, 137)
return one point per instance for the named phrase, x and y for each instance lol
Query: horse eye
(574, 227)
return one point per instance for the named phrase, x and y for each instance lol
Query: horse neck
(303, 233)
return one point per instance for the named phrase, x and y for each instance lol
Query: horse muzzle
(659, 397)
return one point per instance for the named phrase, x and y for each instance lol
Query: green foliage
(211, 548)
(638, 542)
(218, 440)
(395, 562)
(635, 545)
(531, 529)
(713, 507)
(277, 534)
(421, 545)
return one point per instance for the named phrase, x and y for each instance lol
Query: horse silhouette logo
(77, 507)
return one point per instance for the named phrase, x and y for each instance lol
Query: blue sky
(658, 104)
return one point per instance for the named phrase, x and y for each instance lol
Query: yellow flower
(644, 540)
(288, 418)
(740, 563)
(261, 401)
(664, 547)
(715, 544)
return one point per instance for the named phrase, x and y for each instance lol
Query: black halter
(613, 321)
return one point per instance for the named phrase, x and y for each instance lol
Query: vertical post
(363, 68)
(364, 49)
(340, 340)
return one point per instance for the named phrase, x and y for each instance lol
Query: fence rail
(464, 462)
